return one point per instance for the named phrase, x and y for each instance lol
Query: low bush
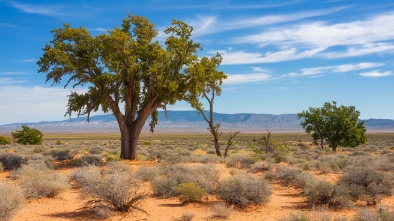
(286, 175)
(366, 184)
(221, 210)
(10, 199)
(244, 189)
(327, 194)
(240, 161)
(5, 140)
(260, 166)
(89, 160)
(187, 216)
(149, 173)
(205, 177)
(38, 181)
(189, 192)
(11, 161)
(116, 187)
(62, 154)
(381, 214)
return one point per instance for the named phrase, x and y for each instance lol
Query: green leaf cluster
(28, 136)
(338, 126)
(5, 140)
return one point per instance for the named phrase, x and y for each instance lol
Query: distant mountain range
(185, 121)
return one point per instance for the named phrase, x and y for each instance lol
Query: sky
(280, 57)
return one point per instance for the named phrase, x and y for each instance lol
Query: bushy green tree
(124, 67)
(28, 136)
(338, 126)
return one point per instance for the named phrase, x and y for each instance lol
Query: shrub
(240, 161)
(28, 136)
(325, 193)
(286, 175)
(38, 181)
(205, 177)
(5, 140)
(221, 210)
(296, 217)
(116, 187)
(11, 161)
(1, 167)
(10, 199)
(189, 192)
(381, 214)
(244, 189)
(187, 216)
(89, 160)
(148, 173)
(366, 184)
(62, 154)
(260, 166)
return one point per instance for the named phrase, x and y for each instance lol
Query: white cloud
(32, 104)
(37, 9)
(241, 57)
(204, 25)
(358, 38)
(8, 81)
(376, 74)
(12, 73)
(338, 68)
(245, 78)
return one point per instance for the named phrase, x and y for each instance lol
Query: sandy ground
(66, 206)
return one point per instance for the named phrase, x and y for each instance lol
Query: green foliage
(28, 136)
(5, 140)
(338, 126)
(189, 192)
(125, 65)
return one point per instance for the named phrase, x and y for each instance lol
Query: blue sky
(280, 56)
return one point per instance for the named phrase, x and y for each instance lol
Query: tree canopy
(338, 126)
(124, 67)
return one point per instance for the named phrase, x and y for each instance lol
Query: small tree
(28, 136)
(206, 85)
(338, 126)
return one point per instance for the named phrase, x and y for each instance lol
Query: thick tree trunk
(129, 140)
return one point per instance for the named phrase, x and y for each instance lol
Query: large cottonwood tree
(125, 66)
(338, 126)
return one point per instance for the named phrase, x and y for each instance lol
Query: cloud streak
(376, 74)
(46, 10)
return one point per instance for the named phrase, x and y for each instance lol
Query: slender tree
(206, 86)
(338, 126)
(122, 67)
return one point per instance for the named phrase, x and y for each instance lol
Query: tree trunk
(322, 143)
(129, 139)
(216, 141)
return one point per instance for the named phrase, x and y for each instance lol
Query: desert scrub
(367, 184)
(10, 199)
(1, 167)
(115, 187)
(5, 140)
(189, 192)
(11, 161)
(149, 173)
(244, 189)
(88, 160)
(62, 154)
(221, 210)
(381, 214)
(286, 175)
(205, 177)
(38, 181)
(323, 193)
(240, 161)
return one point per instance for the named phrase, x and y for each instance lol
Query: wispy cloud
(9, 81)
(376, 74)
(12, 73)
(372, 35)
(241, 57)
(245, 78)
(41, 9)
(29, 60)
(338, 68)
(98, 29)
(204, 25)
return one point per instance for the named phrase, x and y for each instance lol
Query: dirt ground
(283, 202)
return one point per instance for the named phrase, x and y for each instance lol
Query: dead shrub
(10, 200)
(221, 210)
(38, 181)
